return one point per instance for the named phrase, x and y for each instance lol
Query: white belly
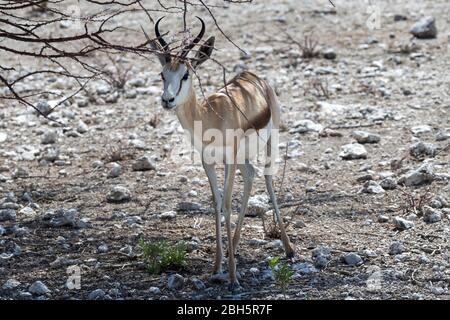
(218, 147)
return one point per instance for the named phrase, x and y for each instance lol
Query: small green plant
(161, 255)
(282, 273)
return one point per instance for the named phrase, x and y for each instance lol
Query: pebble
(422, 129)
(49, 137)
(154, 290)
(258, 205)
(396, 248)
(7, 214)
(420, 149)
(388, 183)
(321, 256)
(353, 151)
(97, 294)
(442, 136)
(422, 175)
(329, 54)
(10, 284)
(352, 259)
(425, 28)
(372, 187)
(103, 248)
(143, 164)
(118, 194)
(3, 137)
(198, 284)
(38, 288)
(175, 282)
(403, 224)
(82, 127)
(169, 215)
(116, 170)
(431, 215)
(365, 137)
(188, 206)
(305, 268)
(61, 218)
(383, 218)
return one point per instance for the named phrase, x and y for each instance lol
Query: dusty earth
(382, 81)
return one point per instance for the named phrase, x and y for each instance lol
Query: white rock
(365, 137)
(3, 137)
(353, 151)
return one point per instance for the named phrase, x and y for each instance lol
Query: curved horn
(195, 41)
(163, 43)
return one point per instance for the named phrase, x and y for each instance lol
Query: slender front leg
(212, 177)
(228, 192)
(248, 174)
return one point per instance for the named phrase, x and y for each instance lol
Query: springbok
(246, 106)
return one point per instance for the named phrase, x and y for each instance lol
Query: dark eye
(186, 76)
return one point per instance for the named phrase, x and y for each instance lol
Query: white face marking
(176, 86)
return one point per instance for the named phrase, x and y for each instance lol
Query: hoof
(235, 287)
(290, 252)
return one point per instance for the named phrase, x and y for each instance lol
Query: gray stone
(38, 288)
(383, 218)
(169, 215)
(403, 224)
(103, 248)
(396, 248)
(154, 290)
(421, 129)
(198, 284)
(143, 164)
(321, 256)
(3, 137)
(44, 108)
(2, 230)
(442, 136)
(10, 284)
(116, 170)
(118, 194)
(372, 187)
(388, 183)
(188, 206)
(62, 218)
(175, 282)
(258, 205)
(420, 149)
(82, 127)
(365, 137)
(49, 137)
(329, 54)
(431, 215)
(425, 28)
(353, 151)
(352, 259)
(97, 294)
(305, 268)
(422, 175)
(7, 214)
(306, 125)
(112, 98)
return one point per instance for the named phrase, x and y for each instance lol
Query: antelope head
(178, 69)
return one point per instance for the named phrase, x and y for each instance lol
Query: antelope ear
(204, 53)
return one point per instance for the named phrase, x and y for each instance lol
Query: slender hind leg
(248, 174)
(288, 249)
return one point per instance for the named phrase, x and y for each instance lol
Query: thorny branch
(68, 35)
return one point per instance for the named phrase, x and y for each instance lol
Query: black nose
(170, 100)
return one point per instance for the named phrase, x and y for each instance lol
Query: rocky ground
(366, 191)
